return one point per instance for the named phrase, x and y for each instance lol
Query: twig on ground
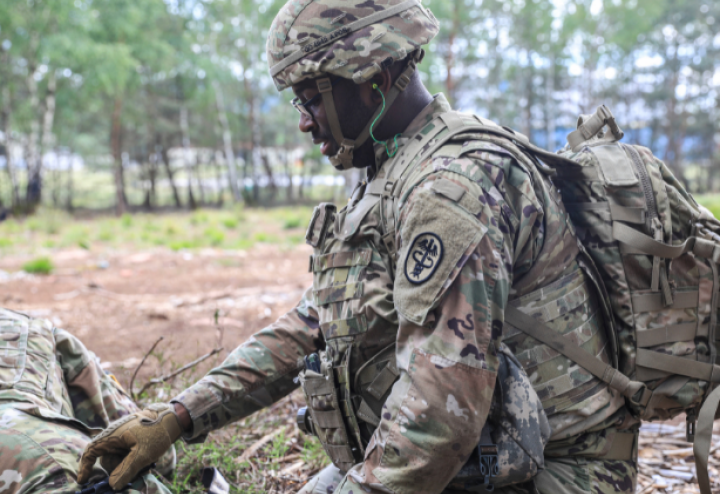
(258, 444)
(162, 379)
(137, 369)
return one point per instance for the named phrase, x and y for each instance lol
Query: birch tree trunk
(33, 189)
(186, 158)
(9, 165)
(227, 141)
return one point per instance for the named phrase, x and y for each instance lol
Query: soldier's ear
(383, 81)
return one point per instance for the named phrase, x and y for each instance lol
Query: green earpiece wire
(387, 150)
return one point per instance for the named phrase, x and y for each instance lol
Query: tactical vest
(353, 266)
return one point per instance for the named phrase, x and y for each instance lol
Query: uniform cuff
(201, 403)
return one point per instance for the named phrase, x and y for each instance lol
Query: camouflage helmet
(312, 39)
(352, 39)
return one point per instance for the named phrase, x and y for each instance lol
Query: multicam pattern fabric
(520, 240)
(53, 397)
(357, 55)
(664, 212)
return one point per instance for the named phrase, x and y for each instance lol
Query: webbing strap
(339, 454)
(328, 420)
(341, 32)
(648, 245)
(317, 386)
(678, 365)
(652, 302)
(590, 127)
(606, 373)
(617, 212)
(667, 334)
(384, 380)
(703, 436)
(366, 413)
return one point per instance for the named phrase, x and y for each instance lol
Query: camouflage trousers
(41, 456)
(566, 475)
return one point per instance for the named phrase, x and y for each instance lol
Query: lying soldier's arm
(255, 375)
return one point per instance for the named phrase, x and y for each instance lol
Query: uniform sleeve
(451, 287)
(96, 398)
(256, 374)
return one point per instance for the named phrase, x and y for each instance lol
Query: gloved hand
(131, 443)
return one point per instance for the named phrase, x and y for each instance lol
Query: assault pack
(656, 252)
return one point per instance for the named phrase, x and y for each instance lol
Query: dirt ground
(119, 303)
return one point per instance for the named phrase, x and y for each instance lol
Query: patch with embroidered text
(426, 253)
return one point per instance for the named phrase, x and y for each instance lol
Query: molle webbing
(570, 310)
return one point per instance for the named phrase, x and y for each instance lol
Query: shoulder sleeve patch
(437, 237)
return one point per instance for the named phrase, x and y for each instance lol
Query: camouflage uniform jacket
(53, 397)
(493, 231)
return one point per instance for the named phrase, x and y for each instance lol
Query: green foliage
(41, 265)
(292, 222)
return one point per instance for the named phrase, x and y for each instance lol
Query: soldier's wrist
(183, 417)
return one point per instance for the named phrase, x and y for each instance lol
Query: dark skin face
(355, 105)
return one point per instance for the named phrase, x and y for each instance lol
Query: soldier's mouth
(325, 146)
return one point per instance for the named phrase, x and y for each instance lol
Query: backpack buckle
(489, 466)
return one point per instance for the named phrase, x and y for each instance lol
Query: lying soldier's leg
(41, 456)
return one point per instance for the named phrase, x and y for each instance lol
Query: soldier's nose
(306, 123)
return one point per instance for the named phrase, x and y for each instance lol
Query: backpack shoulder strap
(605, 372)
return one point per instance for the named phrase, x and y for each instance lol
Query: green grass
(41, 265)
(228, 229)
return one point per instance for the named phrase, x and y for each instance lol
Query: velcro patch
(436, 234)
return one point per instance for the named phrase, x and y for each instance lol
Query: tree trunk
(271, 179)
(33, 191)
(69, 197)
(450, 60)
(169, 173)
(227, 141)
(116, 150)
(9, 165)
(186, 158)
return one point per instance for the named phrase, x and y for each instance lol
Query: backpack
(656, 252)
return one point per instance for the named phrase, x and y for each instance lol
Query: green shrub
(5, 242)
(126, 220)
(84, 244)
(230, 223)
(41, 265)
(214, 236)
(292, 222)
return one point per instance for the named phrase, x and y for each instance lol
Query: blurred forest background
(125, 105)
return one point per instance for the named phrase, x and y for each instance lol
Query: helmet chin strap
(343, 159)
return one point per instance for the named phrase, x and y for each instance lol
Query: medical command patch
(424, 257)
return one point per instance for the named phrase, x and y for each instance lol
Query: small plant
(230, 223)
(214, 236)
(126, 220)
(84, 244)
(292, 222)
(41, 265)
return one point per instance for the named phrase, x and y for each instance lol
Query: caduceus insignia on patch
(423, 258)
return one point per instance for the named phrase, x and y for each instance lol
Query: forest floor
(121, 296)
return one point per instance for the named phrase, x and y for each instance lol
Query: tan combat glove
(131, 443)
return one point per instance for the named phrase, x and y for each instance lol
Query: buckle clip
(324, 85)
(489, 466)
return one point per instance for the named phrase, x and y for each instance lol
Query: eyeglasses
(303, 107)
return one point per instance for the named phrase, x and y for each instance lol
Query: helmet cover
(348, 38)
